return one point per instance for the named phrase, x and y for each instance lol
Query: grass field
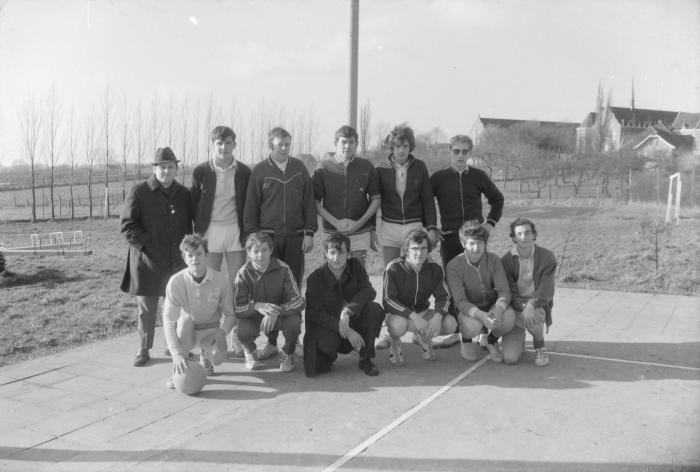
(51, 303)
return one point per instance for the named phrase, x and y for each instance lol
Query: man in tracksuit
(266, 298)
(409, 282)
(280, 202)
(346, 188)
(458, 189)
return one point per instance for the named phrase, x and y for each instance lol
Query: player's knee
(396, 325)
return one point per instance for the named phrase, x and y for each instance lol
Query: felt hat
(164, 154)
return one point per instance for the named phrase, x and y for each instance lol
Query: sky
(431, 63)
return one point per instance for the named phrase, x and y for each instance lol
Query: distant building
(481, 124)
(648, 132)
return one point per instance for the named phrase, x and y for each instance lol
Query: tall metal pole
(354, 34)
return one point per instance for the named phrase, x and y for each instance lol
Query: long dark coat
(154, 223)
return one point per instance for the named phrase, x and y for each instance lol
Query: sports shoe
(541, 358)
(251, 359)
(208, 367)
(299, 349)
(268, 351)
(445, 341)
(142, 358)
(467, 350)
(287, 364)
(426, 346)
(190, 355)
(170, 383)
(383, 342)
(495, 353)
(395, 355)
(236, 346)
(368, 367)
(484, 341)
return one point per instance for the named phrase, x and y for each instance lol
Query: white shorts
(359, 241)
(393, 234)
(223, 238)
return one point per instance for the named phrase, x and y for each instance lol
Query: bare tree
(53, 119)
(90, 157)
(184, 116)
(30, 121)
(170, 119)
(106, 124)
(72, 159)
(155, 124)
(126, 143)
(365, 124)
(195, 135)
(209, 119)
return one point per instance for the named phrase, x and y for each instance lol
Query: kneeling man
(195, 299)
(530, 270)
(409, 282)
(340, 312)
(480, 291)
(268, 299)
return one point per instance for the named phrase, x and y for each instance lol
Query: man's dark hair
(522, 222)
(222, 132)
(337, 241)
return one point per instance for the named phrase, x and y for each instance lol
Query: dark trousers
(148, 314)
(288, 250)
(249, 329)
(321, 345)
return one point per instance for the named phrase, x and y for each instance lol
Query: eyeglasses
(463, 152)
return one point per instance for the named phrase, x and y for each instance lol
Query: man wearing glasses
(458, 190)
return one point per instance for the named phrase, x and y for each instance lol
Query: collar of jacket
(153, 184)
(330, 277)
(389, 161)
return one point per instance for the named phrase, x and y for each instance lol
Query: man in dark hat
(157, 214)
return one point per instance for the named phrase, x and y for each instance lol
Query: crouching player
(195, 299)
(267, 298)
(340, 312)
(530, 270)
(480, 292)
(409, 282)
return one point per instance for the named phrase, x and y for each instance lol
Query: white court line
(401, 419)
(624, 361)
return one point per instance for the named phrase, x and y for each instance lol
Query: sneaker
(170, 383)
(395, 355)
(484, 341)
(368, 367)
(287, 364)
(268, 351)
(426, 346)
(251, 359)
(541, 358)
(299, 349)
(495, 353)
(142, 358)
(208, 367)
(467, 350)
(383, 342)
(236, 346)
(445, 341)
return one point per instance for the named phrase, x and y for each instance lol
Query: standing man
(280, 202)
(156, 216)
(346, 188)
(218, 191)
(458, 190)
(530, 270)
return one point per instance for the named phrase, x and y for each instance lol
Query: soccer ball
(192, 381)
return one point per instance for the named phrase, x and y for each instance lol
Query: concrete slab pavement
(622, 393)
